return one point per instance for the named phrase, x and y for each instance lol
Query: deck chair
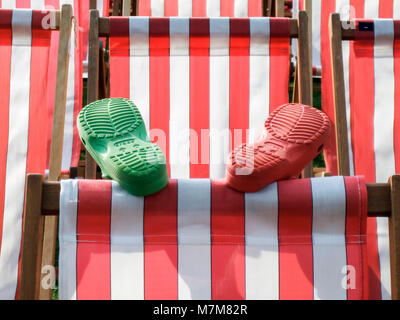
(320, 11)
(222, 94)
(199, 239)
(203, 8)
(365, 82)
(24, 51)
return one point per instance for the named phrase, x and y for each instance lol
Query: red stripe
(51, 80)
(119, 58)
(93, 262)
(328, 7)
(144, 8)
(228, 248)
(199, 98)
(23, 4)
(5, 67)
(397, 95)
(255, 8)
(279, 62)
(84, 22)
(239, 73)
(386, 9)
(160, 244)
(171, 8)
(356, 218)
(301, 5)
(159, 84)
(295, 240)
(227, 8)
(363, 105)
(199, 8)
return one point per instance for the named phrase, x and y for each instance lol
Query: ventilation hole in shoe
(320, 148)
(84, 142)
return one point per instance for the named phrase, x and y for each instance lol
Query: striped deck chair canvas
(200, 8)
(203, 86)
(24, 52)
(72, 144)
(199, 239)
(321, 10)
(371, 100)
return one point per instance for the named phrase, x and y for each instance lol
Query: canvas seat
(199, 239)
(24, 52)
(198, 81)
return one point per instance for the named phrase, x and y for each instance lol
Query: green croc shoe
(114, 133)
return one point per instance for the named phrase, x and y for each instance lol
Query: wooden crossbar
(379, 202)
(104, 27)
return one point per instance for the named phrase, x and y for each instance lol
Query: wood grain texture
(93, 80)
(394, 236)
(51, 223)
(342, 145)
(32, 239)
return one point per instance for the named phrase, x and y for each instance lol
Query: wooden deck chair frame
(63, 23)
(337, 34)
(42, 199)
(129, 8)
(100, 27)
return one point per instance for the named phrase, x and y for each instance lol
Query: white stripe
(140, 66)
(194, 250)
(259, 76)
(295, 11)
(329, 243)
(219, 96)
(316, 32)
(241, 8)
(127, 247)
(383, 133)
(37, 4)
(67, 240)
(396, 9)
(384, 257)
(179, 98)
(8, 4)
(184, 8)
(371, 9)
(17, 151)
(384, 100)
(69, 109)
(100, 7)
(157, 8)
(213, 8)
(262, 247)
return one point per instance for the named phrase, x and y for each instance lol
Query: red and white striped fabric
(103, 7)
(72, 144)
(24, 51)
(199, 239)
(200, 84)
(200, 8)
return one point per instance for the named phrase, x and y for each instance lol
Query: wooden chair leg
(32, 240)
(93, 80)
(51, 223)
(116, 8)
(394, 236)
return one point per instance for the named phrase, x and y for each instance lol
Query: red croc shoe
(294, 135)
